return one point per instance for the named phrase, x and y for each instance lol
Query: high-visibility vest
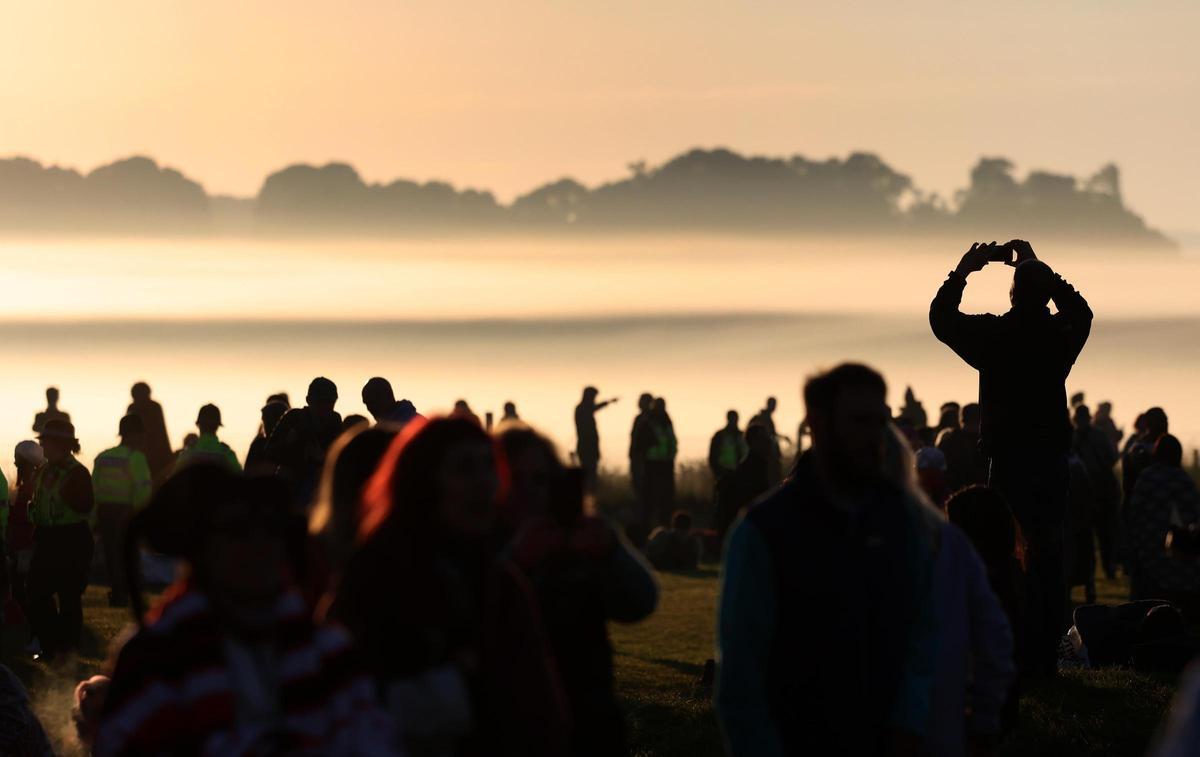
(732, 448)
(121, 476)
(48, 508)
(663, 448)
(209, 449)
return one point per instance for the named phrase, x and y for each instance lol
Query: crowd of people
(439, 586)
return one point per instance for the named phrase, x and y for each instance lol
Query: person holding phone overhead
(1023, 358)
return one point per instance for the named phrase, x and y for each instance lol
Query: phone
(1003, 254)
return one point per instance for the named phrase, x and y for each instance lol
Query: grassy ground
(659, 663)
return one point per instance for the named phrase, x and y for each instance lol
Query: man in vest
(727, 448)
(208, 448)
(121, 482)
(826, 632)
(62, 550)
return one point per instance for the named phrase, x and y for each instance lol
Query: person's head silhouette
(771, 405)
(848, 413)
(645, 402)
(140, 391)
(731, 418)
(378, 396)
(52, 396)
(1033, 283)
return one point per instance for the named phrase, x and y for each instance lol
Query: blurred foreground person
(584, 575)
(381, 403)
(207, 448)
(826, 622)
(157, 447)
(21, 733)
(451, 633)
(121, 483)
(335, 518)
(62, 548)
(1165, 496)
(89, 704)
(229, 662)
(975, 669)
(1023, 358)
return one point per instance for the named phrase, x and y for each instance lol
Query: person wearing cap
(300, 440)
(381, 403)
(62, 550)
(208, 448)
(122, 483)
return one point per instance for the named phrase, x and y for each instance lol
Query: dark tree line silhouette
(698, 190)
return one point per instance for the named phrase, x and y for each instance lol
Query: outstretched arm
(955, 329)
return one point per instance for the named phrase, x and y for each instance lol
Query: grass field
(659, 663)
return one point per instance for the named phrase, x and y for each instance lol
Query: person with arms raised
(1023, 358)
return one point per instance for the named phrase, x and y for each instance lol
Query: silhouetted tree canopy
(697, 190)
(135, 193)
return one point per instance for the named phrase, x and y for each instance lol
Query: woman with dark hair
(584, 574)
(451, 632)
(1164, 496)
(333, 524)
(229, 661)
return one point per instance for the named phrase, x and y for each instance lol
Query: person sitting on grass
(229, 660)
(675, 548)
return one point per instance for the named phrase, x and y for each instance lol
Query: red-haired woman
(452, 633)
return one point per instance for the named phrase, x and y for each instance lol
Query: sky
(506, 96)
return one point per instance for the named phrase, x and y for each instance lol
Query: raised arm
(1075, 312)
(960, 332)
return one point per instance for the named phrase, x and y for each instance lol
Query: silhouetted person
(587, 444)
(159, 455)
(1164, 496)
(1138, 455)
(62, 551)
(1104, 421)
(826, 626)
(640, 440)
(913, 411)
(676, 547)
(1023, 358)
(750, 480)
(280, 397)
(51, 413)
(28, 459)
(660, 466)
(122, 483)
(1079, 543)
(766, 418)
(966, 465)
(207, 448)
(300, 440)
(463, 410)
(510, 413)
(256, 458)
(1077, 399)
(381, 403)
(949, 418)
(1099, 457)
(727, 448)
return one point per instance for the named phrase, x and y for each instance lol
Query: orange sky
(507, 95)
